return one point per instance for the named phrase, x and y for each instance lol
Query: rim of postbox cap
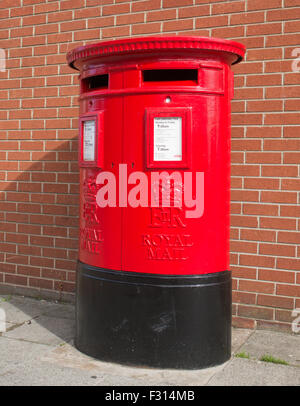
(136, 45)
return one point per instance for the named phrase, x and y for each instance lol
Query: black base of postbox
(138, 319)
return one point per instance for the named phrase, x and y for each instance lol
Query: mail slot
(153, 277)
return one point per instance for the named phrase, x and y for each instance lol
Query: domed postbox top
(180, 46)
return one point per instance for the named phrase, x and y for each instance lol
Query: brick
(15, 279)
(228, 32)
(242, 246)
(290, 184)
(235, 208)
(71, 4)
(60, 16)
(257, 261)
(243, 272)
(264, 132)
(246, 145)
(292, 26)
(237, 157)
(283, 14)
(40, 283)
(243, 221)
(158, 15)
(196, 11)
(244, 195)
(64, 286)
(282, 40)
(278, 223)
(115, 9)
(288, 263)
(41, 241)
(54, 274)
(284, 315)
(288, 290)
(260, 209)
(21, 11)
(277, 250)
(176, 3)
(115, 32)
(263, 157)
(73, 25)
(278, 197)
(264, 54)
(276, 276)
(279, 170)
(263, 80)
(291, 157)
(87, 13)
(46, 8)
(257, 4)
(34, 19)
(261, 183)
(282, 118)
(28, 270)
(241, 170)
(246, 119)
(243, 297)
(254, 93)
(247, 18)
(255, 312)
(275, 301)
(265, 105)
(42, 262)
(228, 7)
(291, 3)
(176, 25)
(87, 35)
(242, 322)
(290, 211)
(292, 105)
(282, 145)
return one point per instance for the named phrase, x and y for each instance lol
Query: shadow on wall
(39, 219)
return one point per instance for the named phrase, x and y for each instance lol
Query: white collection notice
(167, 139)
(89, 139)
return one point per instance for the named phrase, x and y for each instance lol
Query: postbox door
(100, 227)
(162, 240)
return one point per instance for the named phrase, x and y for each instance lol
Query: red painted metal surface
(158, 240)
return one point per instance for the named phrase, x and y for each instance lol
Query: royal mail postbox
(153, 278)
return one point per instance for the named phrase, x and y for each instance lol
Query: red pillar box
(153, 282)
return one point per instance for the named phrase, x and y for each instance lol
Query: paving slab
(37, 349)
(280, 345)
(46, 374)
(44, 330)
(15, 353)
(67, 355)
(19, 309)
(247, 372)
(239, 337)
(62, 311)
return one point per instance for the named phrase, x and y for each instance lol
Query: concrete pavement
(37, 349)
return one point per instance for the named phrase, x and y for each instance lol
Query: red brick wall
(38, 145)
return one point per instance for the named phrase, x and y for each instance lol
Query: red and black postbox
(153, 280)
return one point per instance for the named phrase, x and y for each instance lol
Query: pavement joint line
(244, 342)
(16, 325)
(224, 366)
(29, 341)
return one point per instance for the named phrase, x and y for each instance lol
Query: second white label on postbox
(167, 139)
(89, 140)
